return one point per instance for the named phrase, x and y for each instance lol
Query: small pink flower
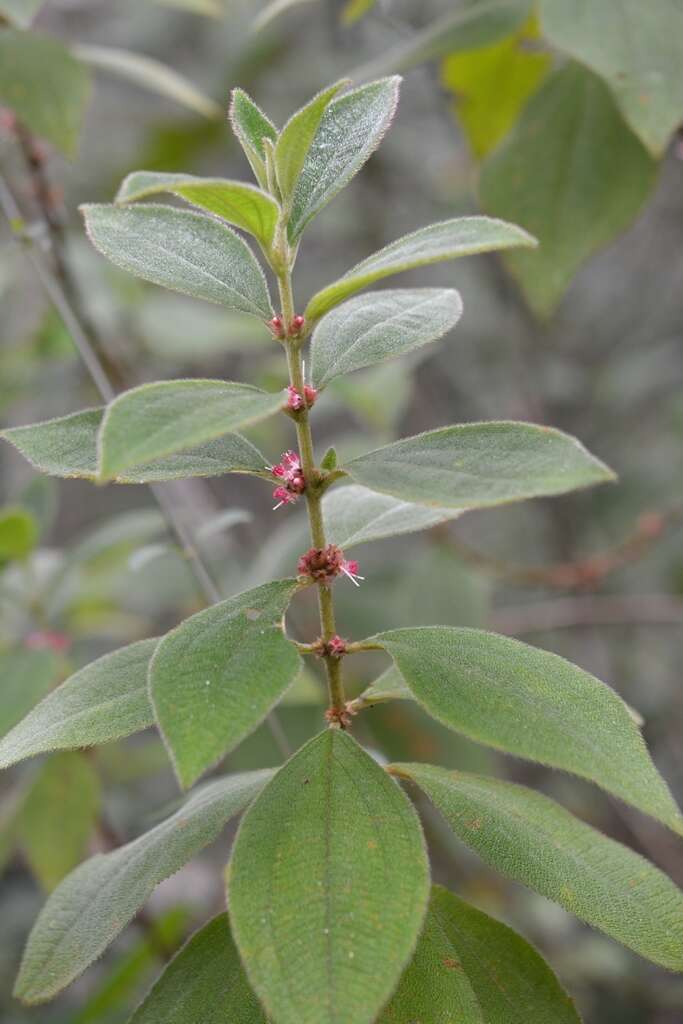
(323, 564)
(297, 401)
(336, 646)
(293, 482)
(47, 640)
(296, 326)
(277, 327)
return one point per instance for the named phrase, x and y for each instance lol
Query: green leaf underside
(473, 465)
(446, 240)
(572, 122)
(236, 202)
(216, 676)
(357, 515)
(94, 903)
(390, 685)
(534, 704)
(296, 137)
(157, 420)
(533, 840)
(26, 676)
(330, 866)
(45, 86)
(510, 981)
(351, 129)
(181, 250)
(379, 326)
(204, 983)
(251, 127)
(67, 447)
(104, 701)
(638, 51)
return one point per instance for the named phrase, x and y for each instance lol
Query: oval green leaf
(27, 674)
(329, 865)
(294, 141)
(357, 515)
(251, 127)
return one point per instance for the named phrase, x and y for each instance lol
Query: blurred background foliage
(561, 116)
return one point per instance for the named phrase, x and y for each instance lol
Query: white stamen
(279, 505)
(354, 579)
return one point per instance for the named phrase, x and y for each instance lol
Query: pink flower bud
(277, 327)
(336, 646)
(296, 326)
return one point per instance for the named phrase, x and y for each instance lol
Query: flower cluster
(290, 474)
(324, 564)
(296, 400)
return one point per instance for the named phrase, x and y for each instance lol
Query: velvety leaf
(294, 141)
(25, 677)
(205, 982)
(94, 903)
(447, 240)
(356, 515)
(511, 981)
(184, 251)
(67, 447)
(240, 204)
(533, 840)
(20, 12)
(389, 686)
(216, 676)
(45, 86)
(18, 534)
(150, 74)
(351, 129)
(473, 465)
(378, 326)
(156, 420)
(58, 816)
(572, 121)
(637, 49)
(329, 865)
(251, 126)
(532, 703)
(104, 701)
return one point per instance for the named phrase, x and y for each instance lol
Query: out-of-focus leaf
(356, 515)
(45, 86)
(379, 326)
(638, 50)
(20, 12)
(41, 499)
(151, 74)
(294, 141)
(205, 982)
(533, 840)
(18, 534)
(447, 240)
(354, 10)
(251, 126)
(58, 816)
(492, 84)
(389, 686)
(211, 8)
(572, 122)
(329, 864)
(25, 676)
(104, 701)
(176, 328)
(350, 131)
(94, 903)
(186, 252)
(274, 9)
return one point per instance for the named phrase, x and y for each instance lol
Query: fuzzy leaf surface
(295, 139)
(26, 675)
(533, 840)
(184, 251)
(330, 866)
(104, 701)
(446, 240)
(251, 127)
(473, 465)
(216, 676)
(94, 903)
(356, 515)
(378, 326)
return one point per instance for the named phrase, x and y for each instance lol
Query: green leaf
(45, 86)
(350, 131)
(104, 701)
(534, 704)
(273, 10)
(18, 534)
(205, 982)
(328, 865)
(216, 676)
(184, 251)
(20, 12)
(251, 126)
(329, 460)
(473, 465)
(354, 10)
(58, 817)
(25, 676)
(156, 420)
(67, 447)
(356, 515)
(389, 686)
(447, 240)
(533, 840)
(243, 205)
(511, 982)
(95, 903)
(492, 84)
(637, 50)
(295, 139)
(571, 122)
(380, 325)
